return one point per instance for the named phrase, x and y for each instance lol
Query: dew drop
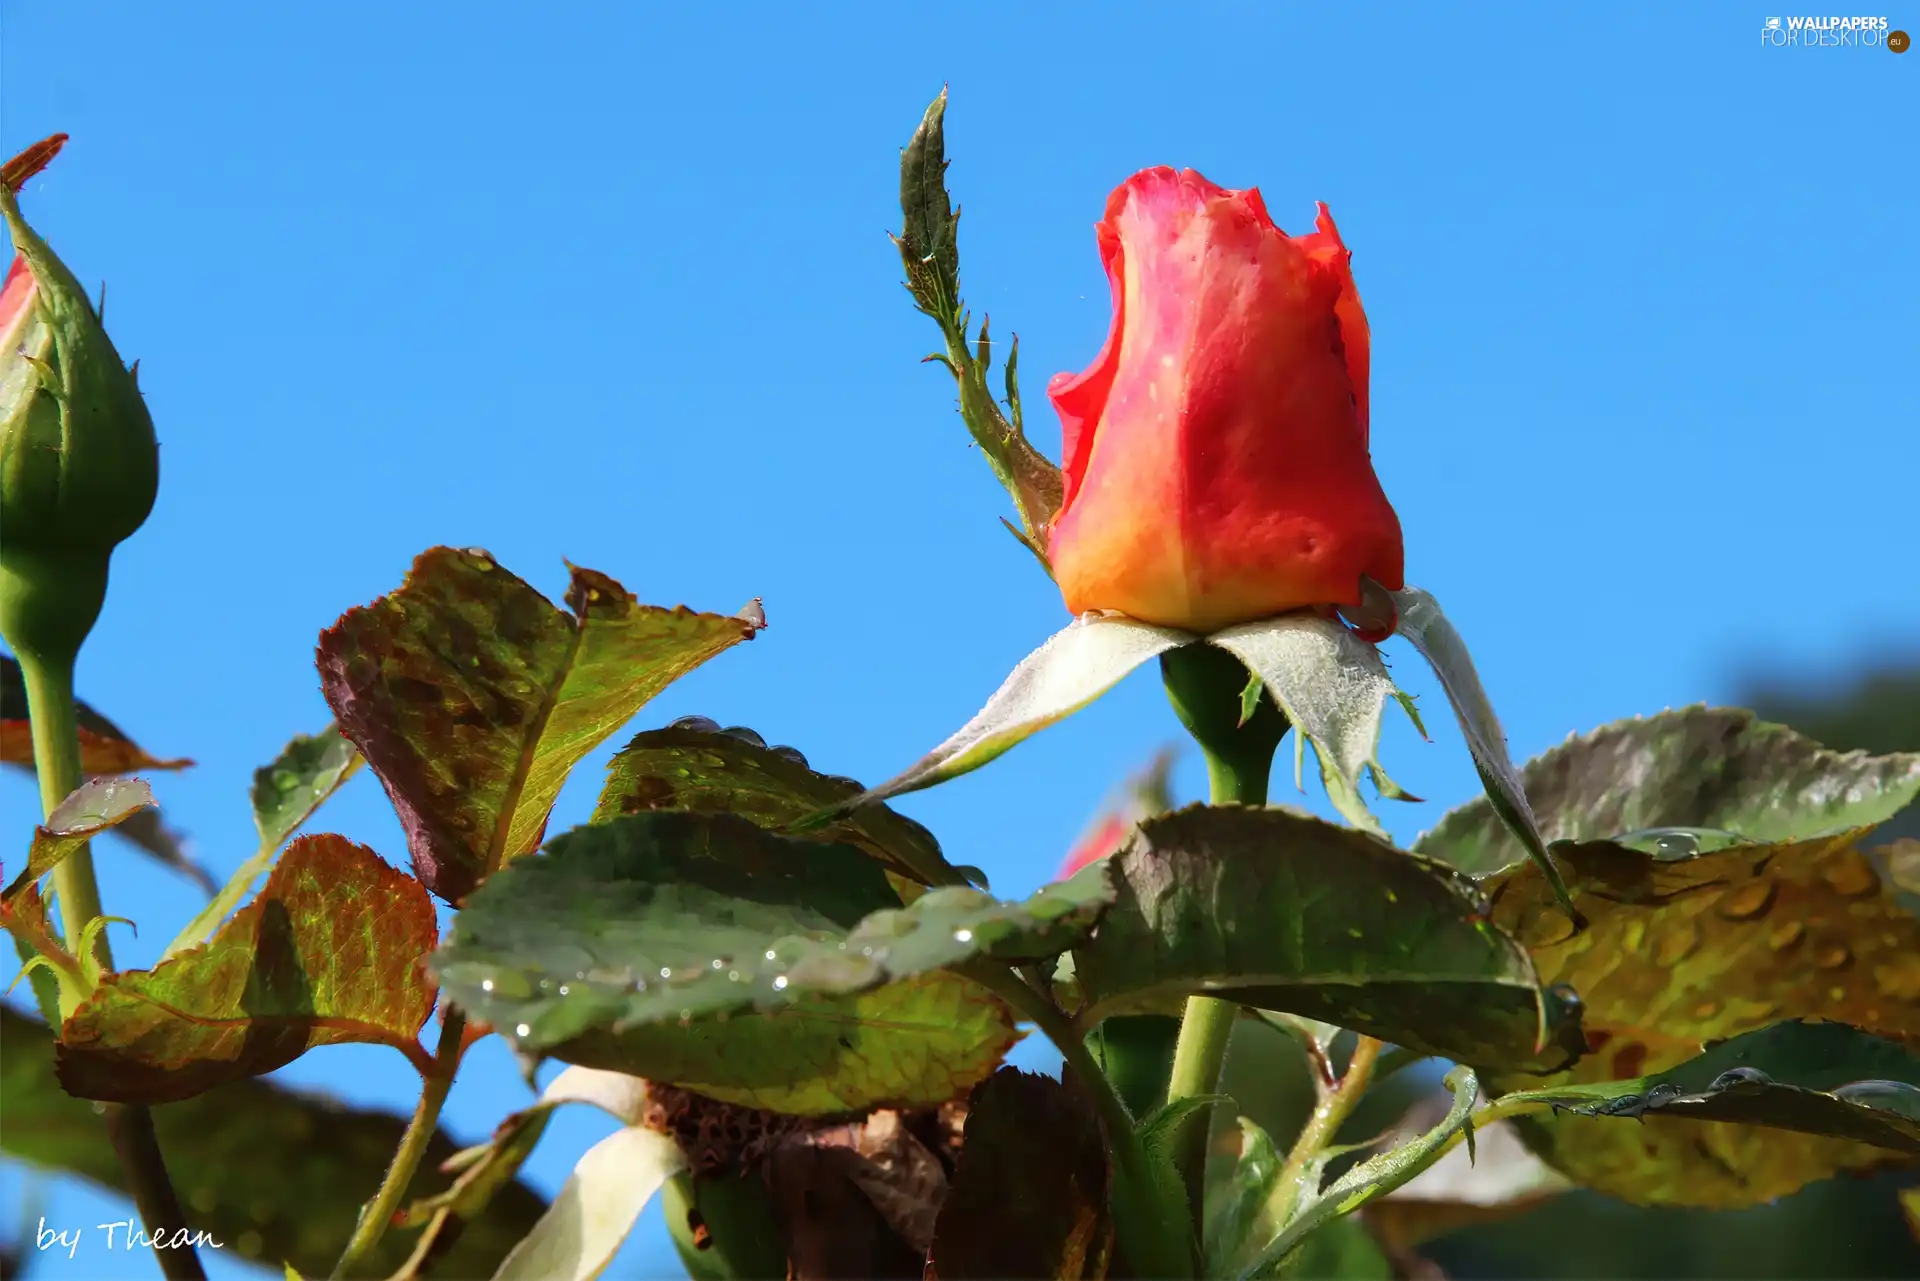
(1676, 944)
(1738, 1076)
(1744, 902)
(523, 1030)
(963, 936)
(780, 983)
(1886, 1096)
(791, 755)
(1899, 978)
(486, 985)
(1548, 927)
(769, 954)
(564, 989)
(733, 976)
(745, 735)
(719, 964)
(666, 971)
(1785, 935)
(1850, 875)
(704, 724)
(1834, 956)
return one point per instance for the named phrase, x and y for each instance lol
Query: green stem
(56, 762)
(378, 1213)
(1206, 687)
(1320, 1130)
(1157, 1237)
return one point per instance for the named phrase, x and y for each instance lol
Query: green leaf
(1683, 949)
(328, 953)
(285, 795)
(92, 808)
(608, 948)
(1368, 1181)
(472, 697)
(277, 1176)
(930, 252)
(1029, 1198)
(1077, 665)
(1422, 623)
(694, 765)
(1496, 1180)
(668, 916)
(917, 1043)
(1701, 767)
(1238, 1221)
(1287, 913)
(929, 235)
(1821, 1079)
(1333, 689)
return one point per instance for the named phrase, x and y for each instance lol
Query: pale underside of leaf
(1437, 641)
(616, 1093)
(1077, 665)
(589, 1221)
(92, 808)
(1334, 690)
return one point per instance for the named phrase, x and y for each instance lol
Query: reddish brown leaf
(472, 696)
(31, 161)
(1030, 1196)
(328, 953)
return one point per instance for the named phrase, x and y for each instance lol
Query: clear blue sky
(610, 282)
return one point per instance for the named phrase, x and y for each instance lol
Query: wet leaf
(710, 771)
(738, 944)
(658, 917)
(1684, 949)
(1077, 665)
(104, 746)
(1333, 689)
(328, 953)
(472, 697)
(1429, 631)
(228, 1152)
(1287, 913)
(92, 808)
(1029, 1198)
(916, 1043)
(285, 795)
(1843, 1090)
(1709, 768)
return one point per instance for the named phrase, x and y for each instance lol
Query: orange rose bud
(1216, 449)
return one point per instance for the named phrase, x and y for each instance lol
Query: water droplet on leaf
(1744, 902)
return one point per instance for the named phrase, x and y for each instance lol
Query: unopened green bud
(79, 467)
